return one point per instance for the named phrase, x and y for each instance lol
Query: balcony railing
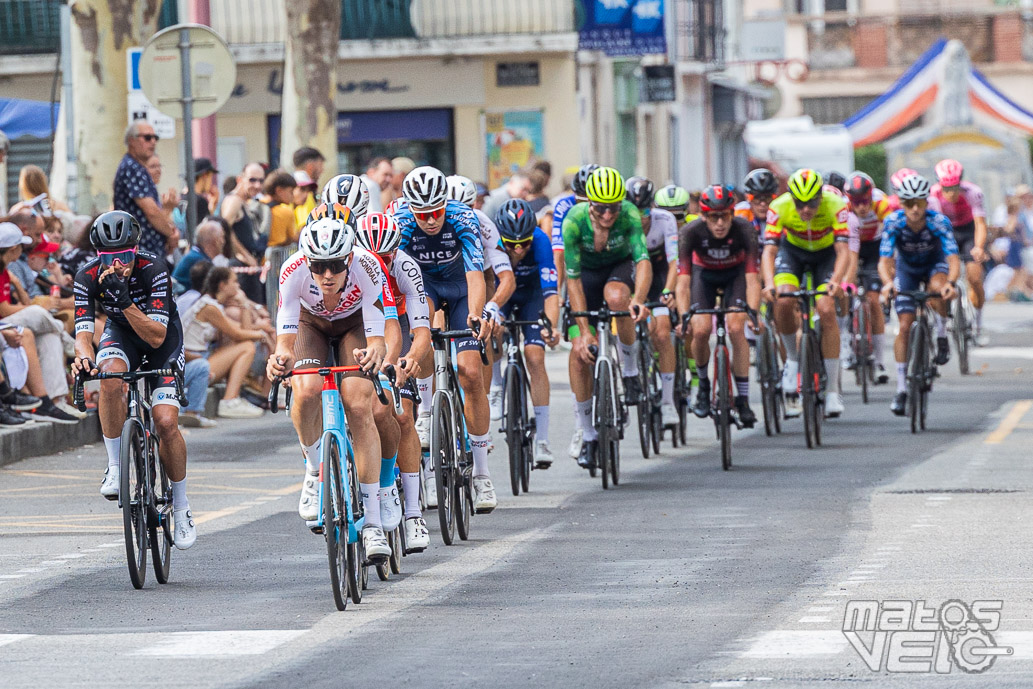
(699, 33)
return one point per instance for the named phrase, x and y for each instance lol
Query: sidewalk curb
(44, 438)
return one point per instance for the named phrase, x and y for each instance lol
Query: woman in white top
(203, 322)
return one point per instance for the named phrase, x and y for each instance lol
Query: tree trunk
(310, 80)
(102, 31)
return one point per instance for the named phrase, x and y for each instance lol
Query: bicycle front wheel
(724, 410)
(335, 518)
(463, 473)
(514, 416)
(862, 351)
(443, 454)
(604, 419)
(916, 374)
(159, 529)
(767, 388)
(133, 496)
(961, 328)
(808, 398)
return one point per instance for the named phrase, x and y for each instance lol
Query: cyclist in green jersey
(606, 261)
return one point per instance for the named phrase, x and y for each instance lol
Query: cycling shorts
(868, 266)
(656, 289)
(119, 342)
(526, 306)
(706, 283)
(403, 322)
(965, 236)
(593, 284)
(910, 278)
(452, 297)
(792, 262)
(317, 335)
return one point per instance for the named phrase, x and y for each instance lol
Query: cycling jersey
(745, 211)
(968, 206)
(559, 212)
(829, 224)
(869, 223)
(662, 238)
(698, 247)
(148, 288)
(536, 271)
(406, 280)
(626, 240)
(365, 288)
(495, 257)
(449, 254)
(932, 244)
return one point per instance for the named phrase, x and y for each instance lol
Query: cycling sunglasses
(435, 214)
(912, 203)
(956, 187)
(516, 244)
(813, 203)
(335, 266)
(122, 256)
(604, 208)
(760, 198)
(718, 215)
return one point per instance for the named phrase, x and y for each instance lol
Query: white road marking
(70, 556)
(1021, 642)
(32, 570)
(820, 608)
(792, 643)
(11, 638)
(220, 643)
(11, 576)
(814, 619)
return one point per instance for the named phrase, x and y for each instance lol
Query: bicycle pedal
(316, 528)
(410, 551)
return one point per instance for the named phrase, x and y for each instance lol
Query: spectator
(400, 167)
(310, 161)
(544, 167)
(33, 184)
(482, 195)
(517, 187)
(278, 190)
(209, 241)
(154, 168)
(228, 257)
(198, 274)
(247, 246)
(694, 197)
(536, 197)
(205, 190)
(5, 146)
(304, 197)
(80, 254)
(23, 371)
(9, 416)
(32, 227)
(228, 185)
(136, 193)
(379, 173)
(203, 322)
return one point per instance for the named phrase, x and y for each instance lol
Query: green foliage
(872, 159)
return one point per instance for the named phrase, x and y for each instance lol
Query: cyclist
(926, 252)
(719, 252)
(333, 293)
(674, 200)
(962, 203)
(869, 209)
(606, 262)
(348, 191)
(661, 231)
(530, 252)
(893, 199)
(760, 186)
(443, 237)
(835, 182)
(559, 213)
(807, 230)
(379, 234)
(143, 332)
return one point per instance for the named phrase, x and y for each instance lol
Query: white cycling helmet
(396, 206)
(913, 187)
(462, 189)
(425, 188)
(327, 239)
(349, 191)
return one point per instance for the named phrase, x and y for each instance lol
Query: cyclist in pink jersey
(962, 203)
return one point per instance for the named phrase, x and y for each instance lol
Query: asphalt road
(682, 575)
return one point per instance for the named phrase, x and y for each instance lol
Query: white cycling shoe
(574, 449)
(423, 429)
(430, 488)
(308, 505)
(495, 402)
(543, 458)
(390, 508)
(833, 404)
(112, 480)
(184, 533)
(668, 415)
(417, 536)
(375, 543)
(484, 500)
(793, 406)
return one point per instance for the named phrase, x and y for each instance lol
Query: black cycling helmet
(114, 230)
(516, 220)
(760, 182)
(581, 178)
(716, 197)
(640, 191)
(835, 179)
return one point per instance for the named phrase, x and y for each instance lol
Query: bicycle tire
(724, 411)
(132, 495)
(356, 550)
(916, 367)
(683, 391)
(442, 453)
(645, 426)
(335, 518)
(513, 415)
(159, 531)
(767, 391)
(961, 328)
(862, 351)
(820, 384)
(463, 484)
(602, 418)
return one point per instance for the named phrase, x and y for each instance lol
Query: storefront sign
(623, 27)
(516, 74)
(512, 139)
(658, 81)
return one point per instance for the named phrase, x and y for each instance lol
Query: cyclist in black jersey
(143, 332)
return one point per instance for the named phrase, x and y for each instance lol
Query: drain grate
(951, 491)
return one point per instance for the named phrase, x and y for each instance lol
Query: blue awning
(20, 118)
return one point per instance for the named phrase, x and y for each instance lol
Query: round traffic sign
(213, 72)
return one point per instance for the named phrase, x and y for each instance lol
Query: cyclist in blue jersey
(530, 253)
(925, 251)
(443, 237)
(559, 212)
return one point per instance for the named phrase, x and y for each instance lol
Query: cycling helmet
(835, 179)
(334, 211)
(639, 191)
(859, 186)
(114, 230)
(716, 197)
(327, 239)
(378, 233)
(805, 184)
(349, 191)
(899, 175)
(914, 186)
(461, 189)
(516, 220)
(605, 185)
(425, 188)
(581, 179)
(672, 198)
(395, 206)
(949, 172)
(761, 181)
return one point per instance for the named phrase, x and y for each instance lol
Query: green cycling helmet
(672, 198)
(805, 184)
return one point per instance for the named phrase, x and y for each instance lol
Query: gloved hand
(491, 312)
(117, 291)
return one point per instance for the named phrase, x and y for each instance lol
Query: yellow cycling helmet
(605, 185)
(805, 184)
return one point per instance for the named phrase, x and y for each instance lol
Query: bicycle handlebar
(78, 394)
(543, 322)
(274, 391)
(392, 376)
(750, 313)
(443, 335)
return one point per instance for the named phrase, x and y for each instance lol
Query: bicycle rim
(462, 484)
(335, 521)
(916, 366)
(724, 418)
(864, 366)
(604, 412)
(442, 453)
(767, 391)
(132, 495)
(356, 552)
(514, 427)
(961, 338)
(159, 533)
(807, 401)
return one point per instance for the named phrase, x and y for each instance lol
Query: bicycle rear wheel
(442, 453)
(604, 401)
(133, 497)
(862, 350)
(724, 410)
(807, 397)
(916, 374)
(961, 330)
(357, 571)
(513, 415)
(159, 529)
(767, 389)
(463, 472)
(335, 519)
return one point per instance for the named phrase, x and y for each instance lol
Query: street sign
(212, 68)
(763, 39)
(658, 81)
(139, 107)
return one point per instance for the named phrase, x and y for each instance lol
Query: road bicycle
(648, 412)
(962, 318)
(921, 369)
(769, 374)
(518, 423)
(682, 392)
(813, 379)
(340, 519)
(145, 492)
(861, 339)
(609, 408)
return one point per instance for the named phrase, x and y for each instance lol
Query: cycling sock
(541, 423)
(114, 448)
(832, 373)
(371, 503)
(844, 327)
(496, 374)
(693, 371)
(311, 457)
(584, 416)
(901, 377)
(387, 471)
(979, 320)
(5, 388)
(792, 353)
(878, 342)
(742, 386)
(424, 385)
(411, 486)
(179, 495)
(750, 335)
(702, 374)
(629, 364)
(667, 388)
(480, 443)
(941, 326)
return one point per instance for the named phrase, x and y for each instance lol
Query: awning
(27, 117)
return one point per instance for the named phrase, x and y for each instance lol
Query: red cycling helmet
(716, 198)
(859, 187)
